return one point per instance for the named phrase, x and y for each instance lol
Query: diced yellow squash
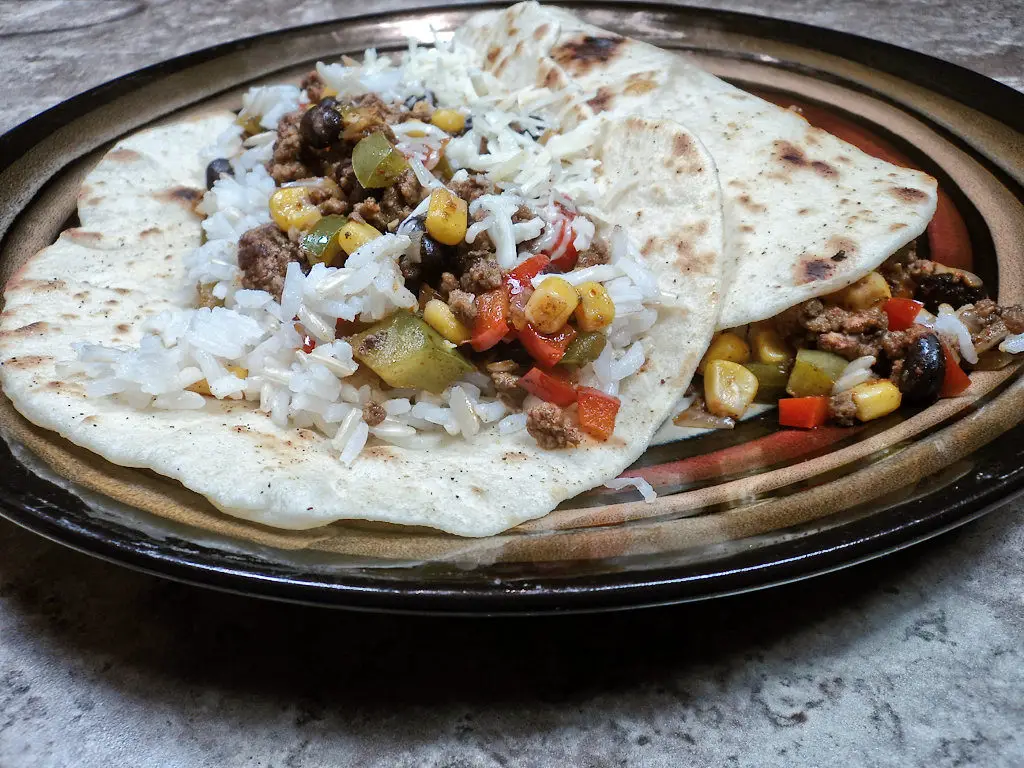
(870, 291)
(551, 305)
(728, 388)
(440, 317)
(202, 386)
(814, 373)
(448, 120)
(875, 399)
(596, 309)
(725, 346)
(290, 208)
(447, 217)
(354, 235)
(767, 345)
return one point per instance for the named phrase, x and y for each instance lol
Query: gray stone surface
(914, 660)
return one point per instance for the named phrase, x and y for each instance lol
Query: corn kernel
(768, 346)
(875, 399)
(290, 208)
(551, 305)
(596, 309)
(870, 291)
(440, 317)
(250, 123)
(202, 386)
(447, 217)
(449, 120)
(728, 388)
(725, 346)
(415, 134)
(354, 235)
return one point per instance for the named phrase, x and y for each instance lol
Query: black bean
(924, 369)
(216, 168)
(321, 125)
(946, 288)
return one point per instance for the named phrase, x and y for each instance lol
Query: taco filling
(908, 332)
(399, 252)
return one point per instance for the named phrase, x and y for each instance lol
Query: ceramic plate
(736, 510)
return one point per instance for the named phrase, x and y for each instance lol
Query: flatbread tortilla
(100, 281)
(805, 213)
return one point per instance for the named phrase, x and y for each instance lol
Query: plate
(737, 510)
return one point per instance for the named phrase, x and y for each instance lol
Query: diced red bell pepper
(491, 322)
(597, 412)
(308, 344)
(901, 313)
(547, 349)
(548, 386)
(519, 278)
(803, 412)
(955, 380)
(565, 261)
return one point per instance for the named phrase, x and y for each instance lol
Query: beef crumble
(596, 254)
(842, 410)
(848, 333)
(374, 414)
(463, 306)
(483, 274)
(264, 253)
(551, 427)
(313, 85)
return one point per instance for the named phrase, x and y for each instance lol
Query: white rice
(857, 372)
(645, 488)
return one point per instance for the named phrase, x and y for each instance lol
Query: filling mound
(400, 251)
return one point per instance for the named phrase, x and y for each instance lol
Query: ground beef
(449, 283)
(1013, 316)
(288, 164)
(841, 408)
(373, 414)
(850, 334)
(313, 85)
(369, 115)
(523, 213)
(369, 211)
(510, 393)
(596, 254)
(328, 202)
(263, 256)
(895, 343)
(472, 188)
(551, 427)
(399, 200)
(895, 271)
(463, 306)
(483, 275)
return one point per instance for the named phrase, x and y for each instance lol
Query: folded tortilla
(805, 213)
(99, 282)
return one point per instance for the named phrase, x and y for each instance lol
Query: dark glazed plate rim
(863, 539)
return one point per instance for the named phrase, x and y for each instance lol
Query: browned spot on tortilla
(90, 420)
(26, 361)
(844, 160)
(812, 139)
(897, 226)
(824, 169)
(681, 145)
(80, 295)
(187, 196)
(124, 155)
(477, 490)
(111, 302)
(241, 429)
(501, 66)
(839, 256)
(69, 316)
(812, 270)
(93, 200)
(602, 99)
(550, 79)
(790, 153)
(378, 452)
(492, 54)
(699, 228)
(803, 211)
(80, 234)
(518, 50)
(640, 83)
(123, 327)
(747, 202)
(909, 194)
(150, 231)
(584, 53)
(514, 456)
(122, 291)
(45, 286)
(32, 329)
(513, 30)
(168, 257)
(540, 31)
(735, 183)
(746, 228)
(649, 246)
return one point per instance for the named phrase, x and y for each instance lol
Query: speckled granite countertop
(914, 660)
